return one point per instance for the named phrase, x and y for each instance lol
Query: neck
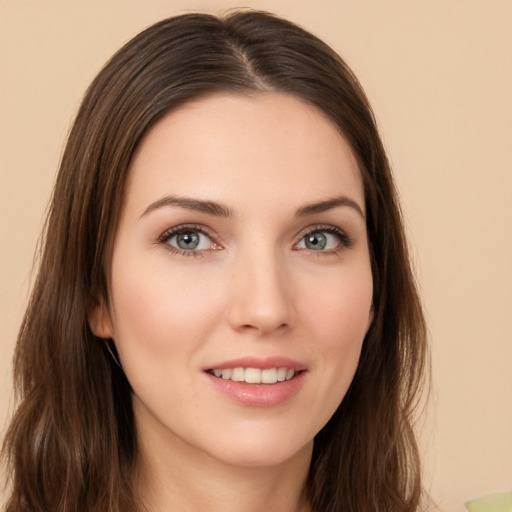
(177, 477)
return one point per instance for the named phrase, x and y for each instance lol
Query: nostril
(263, 327)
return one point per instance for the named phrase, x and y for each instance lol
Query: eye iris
(187, 241)
(316, 241)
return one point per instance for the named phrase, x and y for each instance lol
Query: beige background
(439, 75)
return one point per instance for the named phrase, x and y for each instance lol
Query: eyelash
(183, 228)
(345, 241)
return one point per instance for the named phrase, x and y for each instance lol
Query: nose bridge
(261, 295)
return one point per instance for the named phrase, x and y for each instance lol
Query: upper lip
(262, 363)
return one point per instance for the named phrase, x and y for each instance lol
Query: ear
(99, 319)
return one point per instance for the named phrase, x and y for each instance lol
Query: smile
(254, 375)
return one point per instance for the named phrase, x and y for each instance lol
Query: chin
(261, 447)
(265, 456)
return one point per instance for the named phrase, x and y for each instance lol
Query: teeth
(269, 376)
(255, 375)
(281, 374)
(238, 374)
(252, 375)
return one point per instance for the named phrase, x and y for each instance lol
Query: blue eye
(316, 241)
(187, 240)
(324, 240)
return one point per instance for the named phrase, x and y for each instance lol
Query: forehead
(231, 147)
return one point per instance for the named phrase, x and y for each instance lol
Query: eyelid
(180, 228)
(346, 241)
(168, 233)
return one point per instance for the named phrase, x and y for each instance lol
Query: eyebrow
(198, 205)
(329, 204)
(219, 210)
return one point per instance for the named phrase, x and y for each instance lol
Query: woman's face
(240, 279)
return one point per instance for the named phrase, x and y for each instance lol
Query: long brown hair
(71, 444)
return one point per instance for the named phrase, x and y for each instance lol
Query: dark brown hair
(72, 444)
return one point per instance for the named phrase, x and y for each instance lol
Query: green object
(500, 502)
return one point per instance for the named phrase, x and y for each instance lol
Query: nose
(261, 301)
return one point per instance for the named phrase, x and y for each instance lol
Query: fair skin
(242, 244)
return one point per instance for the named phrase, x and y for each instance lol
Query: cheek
(161, 322)
(339, 308)
(155, 311)
(337, 322)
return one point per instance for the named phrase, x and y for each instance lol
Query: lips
(258, 382)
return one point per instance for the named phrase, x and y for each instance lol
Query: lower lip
(259, 395)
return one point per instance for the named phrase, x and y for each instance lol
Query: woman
(225, 315)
